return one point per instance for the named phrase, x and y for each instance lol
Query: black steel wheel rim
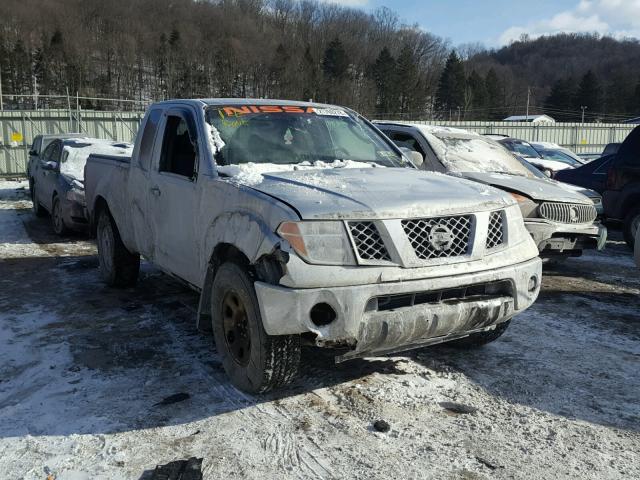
(236, 328)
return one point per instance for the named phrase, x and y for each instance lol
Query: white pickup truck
(301, 223)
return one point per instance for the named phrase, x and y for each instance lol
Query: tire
(254, 361)
(57, 220)
(476, 340)
(118, 266)
(630, 227)
(38, 211)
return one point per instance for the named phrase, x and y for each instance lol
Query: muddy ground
(84, 369)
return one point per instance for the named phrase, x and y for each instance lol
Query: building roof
(530, 118)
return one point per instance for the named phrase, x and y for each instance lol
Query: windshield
(521, 148)
(559, 156)
(289, 135)
(473, 153)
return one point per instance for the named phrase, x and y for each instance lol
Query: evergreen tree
(451, 87)
(589, 93)
(635, 101)
(410, 94)
(335, 65)
(559, 103)
(495, 104)
(279, 73)
(384, 75)
(478, 93)
(309, 74)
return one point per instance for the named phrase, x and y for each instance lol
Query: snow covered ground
(83, 369)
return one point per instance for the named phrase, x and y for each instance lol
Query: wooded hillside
(154, 49)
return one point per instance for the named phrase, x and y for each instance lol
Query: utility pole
(458, 114)
(583, 140)
(1, 104)
(528, 100)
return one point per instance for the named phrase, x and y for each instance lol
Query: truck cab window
(178, 148)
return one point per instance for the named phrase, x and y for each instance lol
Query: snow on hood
(78, 150)
(536, 188)
(379, 193)
(551, 164)
(253, 173)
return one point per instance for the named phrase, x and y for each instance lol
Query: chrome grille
(568, 212)
(495, 234)
(368, 242)
(439, 237)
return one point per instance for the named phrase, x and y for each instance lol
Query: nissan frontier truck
(302, 224)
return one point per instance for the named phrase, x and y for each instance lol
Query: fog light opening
(322, 314)
(533, 284)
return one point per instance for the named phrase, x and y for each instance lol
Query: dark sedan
(592, 175)
(56, 180)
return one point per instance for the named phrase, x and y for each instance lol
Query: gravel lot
(84, 367)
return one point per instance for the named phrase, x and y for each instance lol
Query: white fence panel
(582, 138)
(18, 129)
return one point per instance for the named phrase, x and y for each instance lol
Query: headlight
(319, 242)
(76, 195)
(528, 207)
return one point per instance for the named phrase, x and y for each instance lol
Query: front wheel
(481, 338)
(38, 210)
(631, 225)
(57, 219)
(118, 266)
(254, 361)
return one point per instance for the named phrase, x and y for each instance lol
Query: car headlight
(76, 193)
(528, 207)
(319, 242)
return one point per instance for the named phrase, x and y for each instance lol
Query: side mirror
(33, 153)
(416, 157)
(49, 165)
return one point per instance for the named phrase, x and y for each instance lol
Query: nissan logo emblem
(441, 238)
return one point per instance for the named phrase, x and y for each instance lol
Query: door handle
(156, 191)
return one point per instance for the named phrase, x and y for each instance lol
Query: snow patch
(215, 140)
(253, 173)
(79, 149)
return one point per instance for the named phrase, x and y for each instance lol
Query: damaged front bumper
(386, 317)
(562, 238)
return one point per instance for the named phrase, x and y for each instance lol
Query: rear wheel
(482, 338)
(254, 361)
(37, 208)
(631, 225)
(57, 219)
(118, 266)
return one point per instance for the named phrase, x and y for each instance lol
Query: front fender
(247, 233)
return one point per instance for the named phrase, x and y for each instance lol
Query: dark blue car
(592, 175)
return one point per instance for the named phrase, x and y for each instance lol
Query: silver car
(562, 221)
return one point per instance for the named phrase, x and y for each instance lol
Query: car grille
(495, 234)
(368, 242)
(440, 237)
(568, 212)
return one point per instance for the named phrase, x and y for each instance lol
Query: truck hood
(377, 193)
(535, 188)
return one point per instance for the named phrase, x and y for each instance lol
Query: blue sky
(496, 22)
